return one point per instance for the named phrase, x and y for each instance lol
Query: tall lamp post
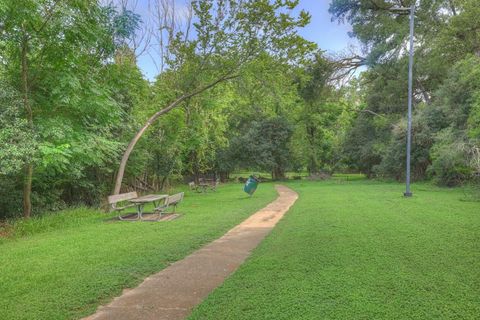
(407, 192)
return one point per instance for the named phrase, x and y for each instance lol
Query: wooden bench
(215, 185)
(122, 198)
(114, 200)
(204, 185)
(174, 200)
(170, 201)
(193, 186)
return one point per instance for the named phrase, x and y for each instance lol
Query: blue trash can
(251, 185)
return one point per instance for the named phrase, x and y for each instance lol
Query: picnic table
(203, 186)
(140, 202)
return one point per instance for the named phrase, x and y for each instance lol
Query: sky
(329, 35)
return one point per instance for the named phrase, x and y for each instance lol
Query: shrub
(450, 160)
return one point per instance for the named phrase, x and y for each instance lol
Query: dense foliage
(446, 89)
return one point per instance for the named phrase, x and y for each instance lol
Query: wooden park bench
(123, 200)
(215, 185)
(204, 185)
(170, 201)
(193, 186)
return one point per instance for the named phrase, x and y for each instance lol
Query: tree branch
(371, 112)
(155, 116)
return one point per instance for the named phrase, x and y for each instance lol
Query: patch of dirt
(149, 217)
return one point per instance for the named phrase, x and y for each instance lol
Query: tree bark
(27, 191)
(27, 184)
(151, 120)
(313, 159)
(278, 173)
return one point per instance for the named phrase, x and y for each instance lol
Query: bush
(393, 163)
(450, 160)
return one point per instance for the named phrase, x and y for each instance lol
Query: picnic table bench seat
(172, 201)
(114, 200)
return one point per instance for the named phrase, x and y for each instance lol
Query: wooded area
(238, 89)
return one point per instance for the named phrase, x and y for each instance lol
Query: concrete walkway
(175, 291)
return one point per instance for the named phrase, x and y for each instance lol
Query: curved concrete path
(176, 290)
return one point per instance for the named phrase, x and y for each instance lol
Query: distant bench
(204, 185)
(131, 199)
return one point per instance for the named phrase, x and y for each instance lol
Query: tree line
(238, 88)
(446, 118)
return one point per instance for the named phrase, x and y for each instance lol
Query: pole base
(407, 194)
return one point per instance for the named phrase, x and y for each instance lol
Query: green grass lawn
(359, 250)
(62, 266)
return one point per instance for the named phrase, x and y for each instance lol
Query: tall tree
(447, 34)
(228, 35)
(53, 52)
(320, 109)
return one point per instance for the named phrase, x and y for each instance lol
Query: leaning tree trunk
(151, 120)
(27, 183)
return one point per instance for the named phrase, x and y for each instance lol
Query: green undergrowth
(65, 219)
(54, 221)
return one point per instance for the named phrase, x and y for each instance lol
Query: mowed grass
(64, 265)
(359, 250)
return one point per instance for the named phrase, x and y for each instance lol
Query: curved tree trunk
(151, 120)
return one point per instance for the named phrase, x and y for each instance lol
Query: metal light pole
(408, 193)
(411, 10)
